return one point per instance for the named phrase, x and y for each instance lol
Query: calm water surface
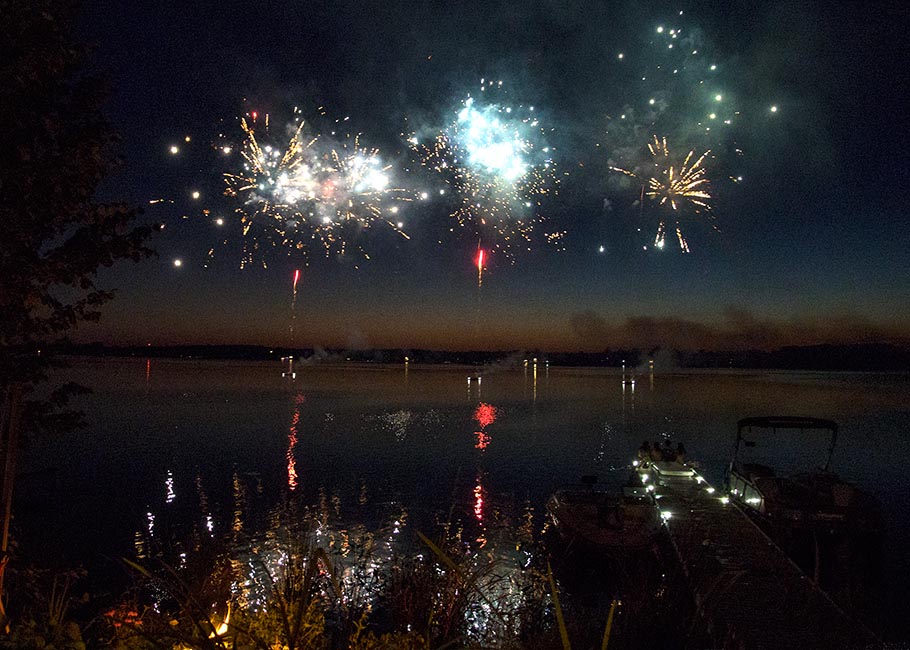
(421, 440)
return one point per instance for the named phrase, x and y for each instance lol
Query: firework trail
(680, 185)
(310, 192)
(479, 261)
(294, 302)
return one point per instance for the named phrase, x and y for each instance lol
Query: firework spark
(679, 185)
(310, 191)
(495, 158)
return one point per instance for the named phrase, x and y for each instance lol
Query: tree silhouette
(55, 149)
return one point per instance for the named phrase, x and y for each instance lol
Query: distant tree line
(881, 357)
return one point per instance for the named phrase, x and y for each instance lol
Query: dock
(747, 592)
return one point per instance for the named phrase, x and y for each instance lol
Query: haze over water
(424, 440)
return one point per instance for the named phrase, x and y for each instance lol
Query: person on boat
(668, 452)
(680, 452)
(656, 454)
(644, 452)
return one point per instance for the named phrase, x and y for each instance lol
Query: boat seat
(756, 471)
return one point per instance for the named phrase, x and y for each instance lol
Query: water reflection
(170, 495)
(397, 423)
(486, 583)
(474, 382)
(578, 423)
(484, 415)
(492, 581)
(290, 373)
(204, 506)
(533, 364)
(238, 491)
(478, 502)
(291, 454)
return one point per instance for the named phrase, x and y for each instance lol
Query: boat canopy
(785, 422)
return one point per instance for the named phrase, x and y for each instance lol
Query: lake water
(422, 440)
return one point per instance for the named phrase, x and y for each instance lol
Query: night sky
(811, 245)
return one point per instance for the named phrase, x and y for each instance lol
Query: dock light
(710, 490)
(725, 500)
(635, 463)
(698, 479)
(650, 488)
(644, 478)
(666, 515)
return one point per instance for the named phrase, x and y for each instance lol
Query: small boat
(603, 519)
(815, 499)
(830, 528)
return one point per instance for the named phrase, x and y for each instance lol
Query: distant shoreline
(882, 357)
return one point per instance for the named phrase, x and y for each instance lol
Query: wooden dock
(748, 593)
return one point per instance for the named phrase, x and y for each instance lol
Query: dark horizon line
(826, 356)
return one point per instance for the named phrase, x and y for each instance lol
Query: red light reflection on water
(485, 414)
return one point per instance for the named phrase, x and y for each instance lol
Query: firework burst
(309, 193)
(683, 186)
(495, 159)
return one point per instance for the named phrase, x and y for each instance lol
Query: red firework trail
(294, 301)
